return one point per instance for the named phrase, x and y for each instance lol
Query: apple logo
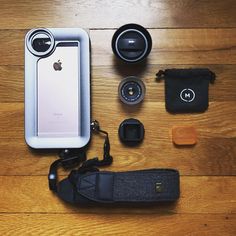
(57, 65)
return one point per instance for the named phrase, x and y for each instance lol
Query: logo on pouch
(57, 65)
(187, 95)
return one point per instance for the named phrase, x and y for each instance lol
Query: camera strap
(70, 158)
(89, 185)
(141, 186)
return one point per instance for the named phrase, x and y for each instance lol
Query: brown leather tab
(184, 135)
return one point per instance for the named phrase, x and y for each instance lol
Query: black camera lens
(131, 43)
(41, 42)
(131, 90)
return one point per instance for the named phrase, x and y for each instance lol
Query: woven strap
(152, 185)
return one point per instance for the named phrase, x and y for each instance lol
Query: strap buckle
(70, 158)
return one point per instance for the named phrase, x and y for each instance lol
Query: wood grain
(211, 156)
(105, 81)
(116, 224)
(27, 194)
(175, 46)
(114, 13)
(170, 46)
(185, 34)
(214, 153)
(218, 121)
(12, 83)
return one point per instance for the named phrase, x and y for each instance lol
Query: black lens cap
(131, 132)
(131, 43)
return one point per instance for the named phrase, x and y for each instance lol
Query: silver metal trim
(146, 43)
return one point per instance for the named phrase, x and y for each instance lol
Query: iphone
(57, 88)
(58, 92)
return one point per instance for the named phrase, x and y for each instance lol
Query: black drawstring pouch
(186, 90)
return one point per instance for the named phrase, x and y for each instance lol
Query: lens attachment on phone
(131, 43)
(131, 90)
(131, 132)
(40, 42)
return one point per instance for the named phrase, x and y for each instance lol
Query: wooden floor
(185, 33)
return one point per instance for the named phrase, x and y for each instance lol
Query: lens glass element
(41, 42)
(131, 90)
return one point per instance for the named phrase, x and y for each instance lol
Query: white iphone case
(57, 88)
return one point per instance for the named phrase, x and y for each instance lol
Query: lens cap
(131, 43)
(131, 90)
(131, 132)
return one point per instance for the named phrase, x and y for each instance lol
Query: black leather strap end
(155, 185)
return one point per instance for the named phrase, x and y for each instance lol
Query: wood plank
(11, 83)
(217, 122)
(214, 153)
(198, 195)
(174, 46)
(105, 81)
(185, 33)
(154, 14)
(118, 224)
(211, 156)
(170, 46)
(12, 49)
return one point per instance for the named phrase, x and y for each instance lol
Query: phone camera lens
(41, 42)
(131, 90)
